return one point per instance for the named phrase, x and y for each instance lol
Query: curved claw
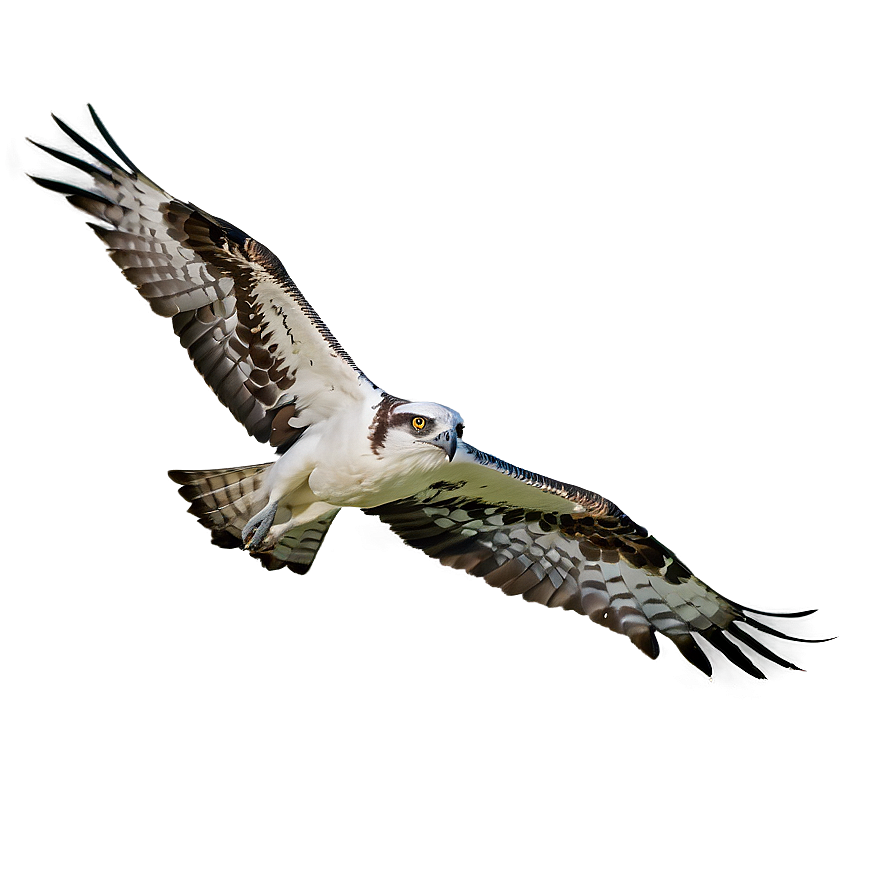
(256, 530)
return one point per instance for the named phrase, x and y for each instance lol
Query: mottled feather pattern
(596, 562)
(248, 329)
(297, 549)
(273, 363)
(225, 500)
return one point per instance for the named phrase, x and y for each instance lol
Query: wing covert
(248, 329)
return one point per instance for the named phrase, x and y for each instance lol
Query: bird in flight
(341, 441)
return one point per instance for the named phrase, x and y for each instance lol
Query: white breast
(349, 473)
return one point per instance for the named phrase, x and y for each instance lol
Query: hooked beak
(447, 441)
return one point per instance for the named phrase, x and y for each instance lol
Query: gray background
(645, 248)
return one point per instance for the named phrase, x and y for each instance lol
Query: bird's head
(418, 426)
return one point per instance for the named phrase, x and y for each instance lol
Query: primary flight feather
(341, 441)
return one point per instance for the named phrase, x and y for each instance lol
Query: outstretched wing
(250, 332)
(562, 546)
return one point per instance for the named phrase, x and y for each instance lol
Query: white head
(422, 429)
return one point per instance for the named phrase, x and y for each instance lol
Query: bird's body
(342, 442)
(349, 470)
(335, 464)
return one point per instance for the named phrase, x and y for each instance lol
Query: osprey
(343, 442)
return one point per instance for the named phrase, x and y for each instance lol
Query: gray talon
(256, 530)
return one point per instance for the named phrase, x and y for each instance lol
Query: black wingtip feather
(731, 651)
(80, 164)
(691, 651)
(768, 630)
(759, 647)
(644, 639)
(108, 138)
(87, 146)
(796, 615)
(69, 190)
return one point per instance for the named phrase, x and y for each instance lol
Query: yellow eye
(418, 422)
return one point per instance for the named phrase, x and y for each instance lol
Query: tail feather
(298, 547)
(225, 500)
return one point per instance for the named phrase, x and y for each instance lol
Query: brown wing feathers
(266, 354)
(231, 302)
(606, 568)
(175, 255)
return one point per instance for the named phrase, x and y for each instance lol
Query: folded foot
(256, 530)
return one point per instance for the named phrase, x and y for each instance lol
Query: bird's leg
(255, 531)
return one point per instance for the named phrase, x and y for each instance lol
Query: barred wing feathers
(562, 546)
(224, 501)
(249, 331)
